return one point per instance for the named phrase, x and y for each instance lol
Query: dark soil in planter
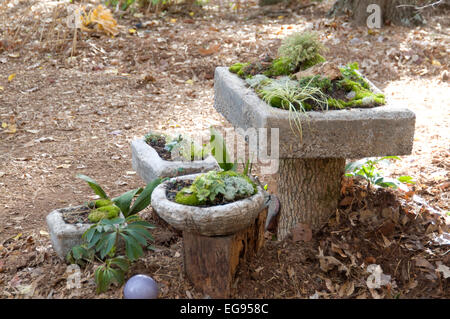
(159, 144)
(76, 215)
(173, 188)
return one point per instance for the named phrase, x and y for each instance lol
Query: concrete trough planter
(64, 236)
(149, 165)
(311, 167)
(216, 239)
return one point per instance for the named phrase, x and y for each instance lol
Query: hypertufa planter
(63, 235)
(149, 165)
(311, 166)
(216, 239)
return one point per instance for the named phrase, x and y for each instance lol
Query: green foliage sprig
(367, 169)
(124, 201)
(208, 186)
(103, 238)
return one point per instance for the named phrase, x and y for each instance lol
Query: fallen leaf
(423, 263)
(211, 50)
(328, 262)
(11, 77)
(17, 236)
(329, 285)
(444, 269)
(347, 289)
(43, 233)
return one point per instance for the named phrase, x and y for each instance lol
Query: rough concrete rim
(149, 165)
(349, 133)
(60, 230)
(218, 220)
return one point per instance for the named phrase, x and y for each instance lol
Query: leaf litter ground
(62, 115)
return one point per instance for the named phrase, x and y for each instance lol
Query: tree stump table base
(210, 263)
(309, 192)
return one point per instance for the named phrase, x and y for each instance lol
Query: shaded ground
(65, 115)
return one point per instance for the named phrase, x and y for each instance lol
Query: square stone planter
(149, 165)
(311, 165)
(64, 236)
(349, 133)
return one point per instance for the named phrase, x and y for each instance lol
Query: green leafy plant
(367, 169)
(208, 186)
(103, 239)
(112, 271)
(123, 202)
(302, 49)
(219, 151)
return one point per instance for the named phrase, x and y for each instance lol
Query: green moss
(363, 96)
(103, 202)
(235, 68)
(333, 103)
(323, 83)
(311, 62)
(280, 66)
(241, 71)
(108, 212)
(186, 197)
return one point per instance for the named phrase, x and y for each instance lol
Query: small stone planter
(215, 239)
(149, 165)
(311, 166)
(64, 236)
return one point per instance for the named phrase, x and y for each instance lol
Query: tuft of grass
(289, 95)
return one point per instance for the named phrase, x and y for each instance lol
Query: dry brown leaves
(67, 114)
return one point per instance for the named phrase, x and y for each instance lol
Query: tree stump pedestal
(211, 262)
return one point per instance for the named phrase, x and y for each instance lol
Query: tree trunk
(309, 192)
(390, 12)
(211, 263)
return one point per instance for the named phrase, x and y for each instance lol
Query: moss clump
(108, 212)
(280, 66)
(302, 49)
(187, 197)
(235, 68)
(363, 96)
(338, 104)
(313, 61)
(242, 72)
(103, 202)
(323, 83)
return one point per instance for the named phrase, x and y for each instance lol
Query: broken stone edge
(149, 165)
(220, 220)
(64, 236)
(350, 133)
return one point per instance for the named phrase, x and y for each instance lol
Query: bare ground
(68, 114)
